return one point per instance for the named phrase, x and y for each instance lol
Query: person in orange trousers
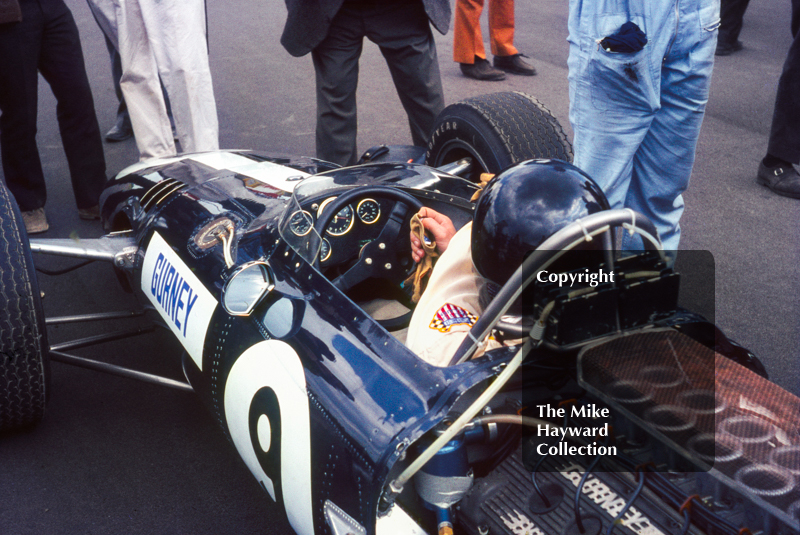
(468, 42)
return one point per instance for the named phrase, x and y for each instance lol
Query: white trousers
(163, 39)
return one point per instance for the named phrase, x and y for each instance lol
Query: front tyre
(24, 362)
(496, 131)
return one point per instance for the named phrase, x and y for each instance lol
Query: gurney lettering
(172, 292)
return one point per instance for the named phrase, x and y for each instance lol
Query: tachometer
(301, 222)
(368, 210)
(342, 222)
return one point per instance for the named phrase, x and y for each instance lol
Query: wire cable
(687, 522)
(536, 484)
(578, 516)
(56, 272)
(629, 503)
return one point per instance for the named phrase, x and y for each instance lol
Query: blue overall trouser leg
(636, 116)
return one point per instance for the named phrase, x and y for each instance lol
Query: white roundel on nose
(267, 411)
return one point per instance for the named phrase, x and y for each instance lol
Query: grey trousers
(402, 33)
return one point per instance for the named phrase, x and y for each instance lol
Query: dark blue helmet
(523, 206)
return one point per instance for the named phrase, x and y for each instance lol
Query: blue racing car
(607, 407)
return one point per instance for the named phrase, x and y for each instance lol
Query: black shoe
(481, 70)
(726, 49)
(119, 133)
(783, 179)
(514, 64)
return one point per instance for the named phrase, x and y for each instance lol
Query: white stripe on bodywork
(178, 296)
(274, 364)
(278, 176)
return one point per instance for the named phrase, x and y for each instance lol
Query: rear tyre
(496, 131)
(24, 362)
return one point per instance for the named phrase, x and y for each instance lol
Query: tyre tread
(22, 362)
(525, 125)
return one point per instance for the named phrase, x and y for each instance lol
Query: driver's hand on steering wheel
(439, 226)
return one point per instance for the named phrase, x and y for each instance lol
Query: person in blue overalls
(639, 77)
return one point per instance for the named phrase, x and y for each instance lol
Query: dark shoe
(89, 214)
(119, 133)
(726, 49)
(782, 179)
(35, 221)
(514, 64)
(481, 70)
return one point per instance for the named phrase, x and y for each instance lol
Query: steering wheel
(380, 257)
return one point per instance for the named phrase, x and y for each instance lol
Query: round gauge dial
(324, 250)
(342, 222)
(369, 211)
(301, 223)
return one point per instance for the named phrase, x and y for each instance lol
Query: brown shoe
(35, 221)
(481, 70)
(89, 214)
(514, 64)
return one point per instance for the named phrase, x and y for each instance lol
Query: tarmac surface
(115, 456)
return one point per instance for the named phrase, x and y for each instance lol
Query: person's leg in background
(61, 64)
(610, 115)
(777, 170)
(22, 168)
(122, 128)
(640, 113)
(501, 36)
(336, 67)
(731, 19)
(663, 164)
(176, 30)
(105, 15)
(141, 86)
(407, 44)
(468, 50)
